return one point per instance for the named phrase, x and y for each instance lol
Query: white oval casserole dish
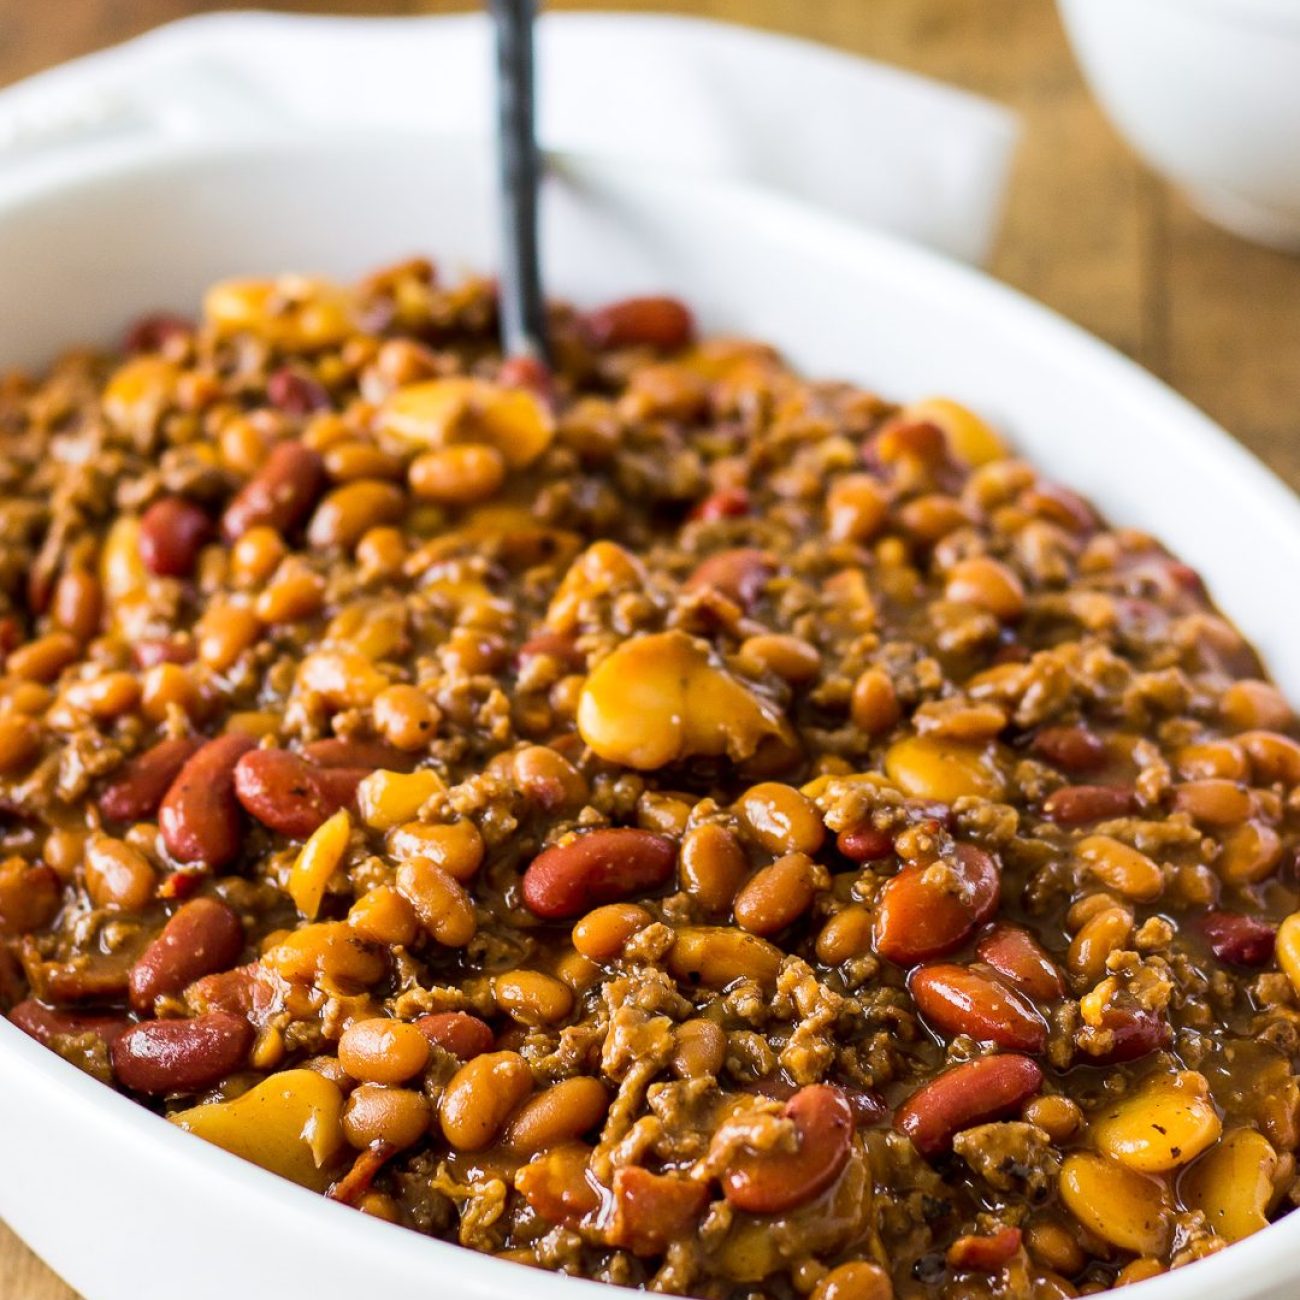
(127, 1208)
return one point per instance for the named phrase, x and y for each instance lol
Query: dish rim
(883, 256)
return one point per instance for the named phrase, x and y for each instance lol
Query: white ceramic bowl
(128, 1208)
(1208, 91)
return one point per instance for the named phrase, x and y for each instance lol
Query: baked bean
(294, 595)
(199, 815)
(77, 603)
(987, 584)
(985, 1089)
(532, 998)
(1251, 853)
(700, 1048)
(406, 717)
(1117, 866)
(846, 936)
(773, 1181)
(167, 687)
(43, 659)
(161, 1057)
(1247, 705)
(777, 896)
(441, 903)
(117, 875)
(349, 511)
(717, 956)
(790, 657)
(563, 1112)
(386, 799)
(857, 1280)
(280, 495)
(873, 705)
(256, 555)
(397, 1117)
(382, 915)
(1104, 932)
(383, 1051)
(20, 742)
(856, 508)
(329, 953)
(201, 937)
(598, 867)
(481, 1096)
(457, 1032)
(713, 866)
(780, 819)
(602, 934)
(456, 847)
(739, 575)
(223, 633)
(1059, 1117)
(352, 459)
(460, 475)
(30, 896)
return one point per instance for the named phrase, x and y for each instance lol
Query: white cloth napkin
(872, 143)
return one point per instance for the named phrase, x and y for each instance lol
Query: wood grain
(1088, 229)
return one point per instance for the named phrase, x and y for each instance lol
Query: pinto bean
(199, 816)
(606, 866)
(202, 937)
(1077, 805)
(280, 495)
(929, 909)
(975, 1092)
(957, 1000)
(172, 533)
(135, 793)
(283, 791)
(653, 322)
(771, 1182)
(1016, 955)
(161, 1057)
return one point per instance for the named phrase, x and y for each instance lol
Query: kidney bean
(739, 574)
(1135, 1033)
(655, 322)
(957, 1000)
(280, 495)
(527, 372)
(135, 793)
(926, 912)
(152, 333)
(201, 937)
(457, 1032)
(172, 533)
(864, 844)
(362, 755)
(973, 1093)
(650, 1211)
(725, 503)
(1243, 940)
(1016, 955)
(236, 991)
(44, 1024)
(771, 1182)
(976, 1254)
(158, 1057)
(1077, 805)
(1072, 749)
(199, 816)
(284, 792)
(296, 393)
(598, 867)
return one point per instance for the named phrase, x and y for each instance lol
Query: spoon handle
(523, 307)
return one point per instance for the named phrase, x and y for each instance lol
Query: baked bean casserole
(664, 820)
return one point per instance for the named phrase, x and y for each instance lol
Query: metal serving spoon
(523, 307)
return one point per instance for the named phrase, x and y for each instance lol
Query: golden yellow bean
(1123, 1207)
(1164, 1123)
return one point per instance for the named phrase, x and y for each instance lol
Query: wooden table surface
(1088, 229)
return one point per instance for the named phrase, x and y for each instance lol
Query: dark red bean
(202, 937)
(654, 322)
(199, 816)
(153, 333)
(457, 1032)
(280, 495)
(1078, 805)
(172, 533)
(163, 1057)
(44, 1024)
(135, 793)
(598, 867)
(865, 844)
(1242, 940)
(295, 393)
(725, 503)
(1072, 749)
(976, 1092)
